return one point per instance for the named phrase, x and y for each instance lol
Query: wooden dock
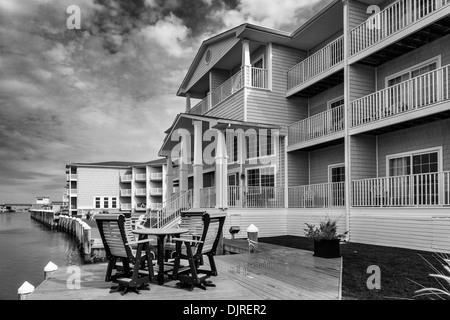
(274, 273)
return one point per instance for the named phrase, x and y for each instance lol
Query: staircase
(169, 215)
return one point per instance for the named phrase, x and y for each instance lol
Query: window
(260, 145)
(232, 146)
(420, 180)
(337, 114)
(97, 202)
(106, 202)
(261, 177)
(113, 202)
(337, 173)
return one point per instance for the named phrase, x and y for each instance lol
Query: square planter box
(327, 248)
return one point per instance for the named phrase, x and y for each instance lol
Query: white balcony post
(169, 179)
(246, 63)
(198, 162)
(221, 172)
(184, 158)
(188, 102)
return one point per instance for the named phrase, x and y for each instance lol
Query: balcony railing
(413, 94)
(226, 89)
(156, 191)
(317, 126)
(155, 206)
(156, 176)
(208, 197)
(141, 206)
(125, 193)
(140, 192)
(73, 192)
(141, 177)
(171, 209)
(324, 195)
(391, 20)
(126, 178)
(73, 176)
(125, 206)
(430, 189)
(255, 197)
(321, 61)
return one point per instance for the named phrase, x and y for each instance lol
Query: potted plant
(325, 237)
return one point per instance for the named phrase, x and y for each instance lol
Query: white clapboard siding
(411, 228)
(296, 219)
(230, 108)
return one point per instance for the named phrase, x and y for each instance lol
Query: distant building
(115, 186)
(43, 200)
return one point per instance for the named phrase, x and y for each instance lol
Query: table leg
(161, 259)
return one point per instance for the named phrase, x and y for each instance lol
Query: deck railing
(171, 210)
(208, 197)
(323, 195)
(430, 189)
(141, 177)
(255, 197)
(126, 178)
(394, 18)
(155, 206)
(259, 79)
(125, 192)
(140, 192)
(125, 206)
(73, 177)
(418, 92)
(156, 176)
(319, 125)
(156, 191)
(324, 59)
(73, 192)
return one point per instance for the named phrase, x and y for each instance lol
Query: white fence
(256, 197)
(323, 195)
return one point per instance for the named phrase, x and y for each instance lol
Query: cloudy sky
(105, 92)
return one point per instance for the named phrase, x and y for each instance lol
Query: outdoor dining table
(160, 233)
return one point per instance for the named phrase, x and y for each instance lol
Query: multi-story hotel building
(115, 186)
(348, 115)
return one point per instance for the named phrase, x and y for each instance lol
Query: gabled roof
(116, 164)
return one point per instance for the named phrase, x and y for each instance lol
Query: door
(337, 180)
(233, 189)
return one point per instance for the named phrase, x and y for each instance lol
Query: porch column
(221, 172)
(188, 102)
(198, 162)
(169, 179)
(184, 159)
(246, 63)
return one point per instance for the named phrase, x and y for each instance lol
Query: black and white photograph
(226, 158)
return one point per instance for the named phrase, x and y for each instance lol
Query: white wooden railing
(156, 206)
(329, 56)
(73, 192)
(208, 197)
(323, 195)
(255, 197)
(141, 177)
(394, 18)
(319, 125)
(140, 192)
(259, 79)
(418, 92)
(227, 88)
(430, 189)
(156, 191)
(156, 176)
(125, 206)
(126, 178)
(73, 177)
(171, 210)
(125, 192)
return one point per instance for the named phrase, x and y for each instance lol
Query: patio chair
(191, 275)
(120, 246)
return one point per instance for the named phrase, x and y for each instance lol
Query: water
(26, 247)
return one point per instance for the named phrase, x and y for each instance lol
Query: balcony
(317, 66)
(155, 206)
(257, 78)
(140, 192)
(126, 178)
(417, 97)
(156, 191)
(420, 190)
(391, 24)
(141, 207)
(156, 176)
(318, 126)
(125, 206)
(141, 177)
(125, 193)
(73, 192)
(325, 195)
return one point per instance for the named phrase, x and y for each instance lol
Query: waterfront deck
(275, 273)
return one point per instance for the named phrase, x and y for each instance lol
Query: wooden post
(25, 290)
(252, 234)
(49, 269)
